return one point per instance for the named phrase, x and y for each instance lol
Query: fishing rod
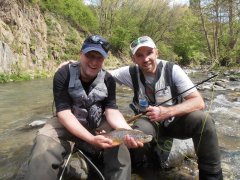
(141, 114)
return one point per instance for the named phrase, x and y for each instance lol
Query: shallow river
(24, 102)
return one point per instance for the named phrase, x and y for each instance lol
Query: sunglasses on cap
(98, 40)
(140, 40)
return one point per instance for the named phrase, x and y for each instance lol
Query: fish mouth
(148, 138)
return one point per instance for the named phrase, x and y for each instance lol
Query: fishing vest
(164, 88)
(87, 108)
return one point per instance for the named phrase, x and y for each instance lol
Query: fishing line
(65, 165)
(206, 117)
(168, 143)
(207, 114)
(53, 108)
(167, 146)
(88, 160)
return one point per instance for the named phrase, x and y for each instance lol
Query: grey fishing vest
(87, 108)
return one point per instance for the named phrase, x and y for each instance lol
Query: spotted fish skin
(117, 136)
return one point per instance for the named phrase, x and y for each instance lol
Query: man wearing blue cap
(84, 96)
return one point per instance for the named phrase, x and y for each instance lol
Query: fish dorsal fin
(122, 129)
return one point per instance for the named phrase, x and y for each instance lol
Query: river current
(22, 103)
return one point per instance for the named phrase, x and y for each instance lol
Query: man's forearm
(116, 119)
(191, 103)
(186, 107)
(70, 122)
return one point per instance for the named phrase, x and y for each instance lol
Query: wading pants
(53, 145)
(198, 126)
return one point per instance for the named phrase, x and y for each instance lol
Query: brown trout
(117, 136)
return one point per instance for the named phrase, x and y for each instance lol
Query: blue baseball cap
(96, 43)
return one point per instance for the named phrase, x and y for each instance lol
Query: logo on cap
(96, 43)
(140, 42)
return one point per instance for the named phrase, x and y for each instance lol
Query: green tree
(189, 43)
(221, 28)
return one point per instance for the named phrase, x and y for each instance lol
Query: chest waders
(86, 106)
(164, 89)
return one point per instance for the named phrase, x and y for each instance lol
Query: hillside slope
(32, 41)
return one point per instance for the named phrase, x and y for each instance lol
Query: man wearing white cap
(155, 81)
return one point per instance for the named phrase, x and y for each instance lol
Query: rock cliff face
(26, 41)
(24, 29)
(7, 58)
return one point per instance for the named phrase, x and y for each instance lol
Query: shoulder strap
(74, 73)
(168, 73)
(169, 79)
(159, 70)
(133, 73)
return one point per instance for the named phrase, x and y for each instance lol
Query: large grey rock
(181, 149)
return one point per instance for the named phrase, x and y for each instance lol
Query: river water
(24, 102)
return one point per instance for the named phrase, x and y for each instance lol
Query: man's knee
(201, 121)
(119, 154)
(47, 155)
(145, 125)
(46, 145)
(117, 163)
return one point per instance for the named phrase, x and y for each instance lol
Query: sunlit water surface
(24, 102)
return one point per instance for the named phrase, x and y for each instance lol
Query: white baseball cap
(140, 42)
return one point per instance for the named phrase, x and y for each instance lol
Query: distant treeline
(205, 32)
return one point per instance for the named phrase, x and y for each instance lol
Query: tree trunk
(205, 31)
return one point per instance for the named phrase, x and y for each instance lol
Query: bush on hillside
(74, 11)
